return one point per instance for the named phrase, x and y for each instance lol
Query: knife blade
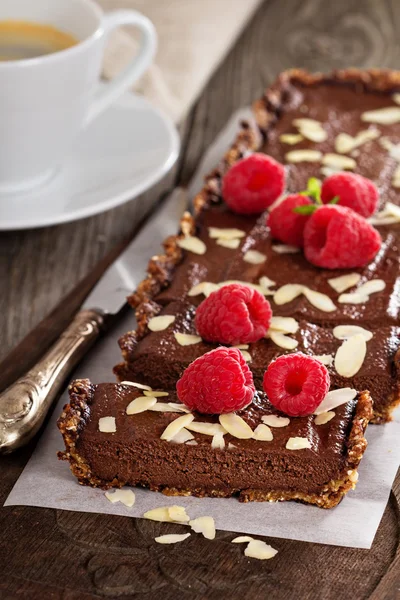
(24, 405)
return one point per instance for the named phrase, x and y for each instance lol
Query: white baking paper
(48, 482)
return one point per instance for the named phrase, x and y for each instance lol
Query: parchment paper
(48, 482)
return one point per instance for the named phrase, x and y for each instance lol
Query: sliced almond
(178, 406)
(236, 426)
(396, 177)
(388, 216)
(324, 417)
(260, 550)
(126, 497)
(350, 356)
(241, 346)
(335, 398)
(262, 433)
(353, 298)
(298, 443)
(241, 539)
(218, 441)
(311, 129)
(232, 244)
(266, 282)
(371, 287)
(187, 339)
(169, 407)
(254, 257)
(191, 443)
(159, 514)
(204, 287)
(107, 425)
(206, 428)
(291, 138)
(343, 332)
(155, 394)
(328, 171)
(231, 446)
(192, 244)
(139, 386)
(204, 525)
(140, 404)
(287, 293)
(325, 359)
(178, 514)
(171, 538)
(246, 355)
(285, 249)
(175, 426)
(182, 436)
(344, 282)
(284, 324)
(320, 301)
(345, 143)
(282, 340)
(338, 161)
(225, 234)
(275, 421)
(382, 116)
(298, 156)
(396, 98)
(160, 323)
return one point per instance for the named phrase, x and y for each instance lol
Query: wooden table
(50, 554)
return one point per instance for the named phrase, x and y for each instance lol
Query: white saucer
(121, 154)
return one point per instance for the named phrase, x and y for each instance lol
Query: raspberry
(286, 225)
(234, 314)
(253, 184)
(296, 384)
(217, 382)
(354, 191)
(335, 237)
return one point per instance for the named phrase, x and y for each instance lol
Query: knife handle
(24, 405)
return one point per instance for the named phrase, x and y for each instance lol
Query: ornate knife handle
(24, 405)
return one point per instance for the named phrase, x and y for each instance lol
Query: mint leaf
(306, 209)
(313, 190)
(334, 200)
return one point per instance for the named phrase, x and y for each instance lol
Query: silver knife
(24, 405)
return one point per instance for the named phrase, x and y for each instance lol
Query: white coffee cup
(45, 101)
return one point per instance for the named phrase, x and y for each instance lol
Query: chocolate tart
(252, 470)
(338, 101)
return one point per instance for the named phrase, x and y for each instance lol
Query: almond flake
(231, 446)
(254, 257)
(388, 216)
(160, 323)
(225, 234)
(204, 525)
(338, 161)
(246, 355)
(178, 406)
(241, 346)
(206, 428)
(325, 359)
(324, 417)
(171, 538)
(205, 287)
(266, 282)
(262, 433)
(242, 539)
(291, 138)
(232, 244)
(275, 421)
(350, 356)
(192, 244)
(182, 436)
(218, 441)
(282, 340)
(344, 282)
(396, 98)
(371, 287)
(159, 514)
(298, 156)
(343, 332)
(259, 549)
(169, 407)
(186, 339)
(236, 426)
(334, 399)
(140, 404)
(107, 425)
(175, 426)
(139, 386)
(382, 116)
(285, 249)
(311, 129)
(328, 171)
(320, 301)
(191, 443)
(155, 394)
(178, 514)
(284, 324)
(127, 497)
(298, 443)
(287, 293)
(345, 143)
(353, 298)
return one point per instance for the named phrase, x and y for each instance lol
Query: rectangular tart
(340, 102)
(135, 454)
